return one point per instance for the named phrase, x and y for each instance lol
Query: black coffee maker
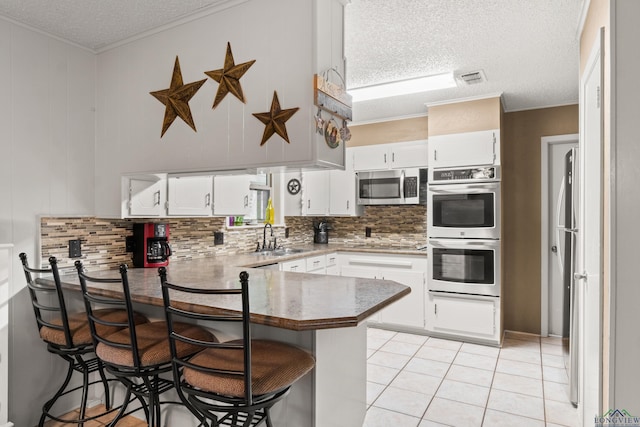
(151, 245)
(321, 232)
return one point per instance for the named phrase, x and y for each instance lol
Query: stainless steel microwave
(392, 187)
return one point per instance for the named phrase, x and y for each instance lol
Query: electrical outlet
(129, 244)
(75, 248)
(218, 238)
(367, 232)
(286, 232)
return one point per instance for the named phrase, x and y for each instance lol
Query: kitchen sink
(280, 252)
(286, 251)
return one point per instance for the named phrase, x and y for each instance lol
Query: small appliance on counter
(151, 245)
(321, 232)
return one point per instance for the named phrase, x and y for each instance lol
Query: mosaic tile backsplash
(104, 240)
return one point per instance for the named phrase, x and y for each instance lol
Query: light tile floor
(417, 381)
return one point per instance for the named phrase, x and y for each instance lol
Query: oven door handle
(459, 243)
(463, 188)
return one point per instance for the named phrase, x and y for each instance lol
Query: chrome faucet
(264, 236)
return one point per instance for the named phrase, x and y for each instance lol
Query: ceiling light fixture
(403, 87)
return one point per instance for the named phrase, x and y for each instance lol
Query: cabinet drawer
(315, 262)
(298, 266)
(331, 259)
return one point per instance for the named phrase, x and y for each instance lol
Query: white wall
(47, 101)
(278, 35)
(625, 205)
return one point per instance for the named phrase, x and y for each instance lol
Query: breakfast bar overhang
(323, 314)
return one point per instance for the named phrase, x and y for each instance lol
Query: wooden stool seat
(274, 366)
(79, 326)
(153, 344)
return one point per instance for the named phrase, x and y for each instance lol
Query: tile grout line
(440, 384)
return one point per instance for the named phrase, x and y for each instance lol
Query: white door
(555, 235)
(409, 155)
(231, 194)
(190, 195)
(371, 157)
(464, 149)
(146, 197)
(315, 193)
(589, 244)
(342, 189)
(408, 310)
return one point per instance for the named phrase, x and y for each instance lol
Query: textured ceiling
(98, 23)
(528, 49)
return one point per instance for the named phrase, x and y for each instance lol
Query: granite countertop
(296, 301)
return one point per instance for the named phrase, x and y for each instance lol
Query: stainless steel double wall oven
(463, 227)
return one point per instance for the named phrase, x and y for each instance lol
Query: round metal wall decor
(332, 134)
(293, 186)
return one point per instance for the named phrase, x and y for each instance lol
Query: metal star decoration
(275, 120)
(229, 77)
(176, 99)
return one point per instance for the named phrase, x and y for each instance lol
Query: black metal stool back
(41, 295)
(65, 335)
(97, 325)
(218, 384)
(138, 353)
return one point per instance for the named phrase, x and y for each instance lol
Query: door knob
(580, 276)
(554, 249)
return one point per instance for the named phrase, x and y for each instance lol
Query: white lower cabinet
(364, 273)
(464, 316)
(316, 264)
(296, 266)
(332, 267)
(407, 312)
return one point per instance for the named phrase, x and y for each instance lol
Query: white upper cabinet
(395, 155)
(412, 154)
(465, 149)
(190, 195)
(342, 190)
(371, 157)
(315, 193)
(320, 193)
(231, 194)
(144, 196)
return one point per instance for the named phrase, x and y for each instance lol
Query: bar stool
(68, 336)
(137, 354)
(234, 383)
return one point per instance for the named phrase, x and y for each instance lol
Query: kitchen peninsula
(321, 313)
